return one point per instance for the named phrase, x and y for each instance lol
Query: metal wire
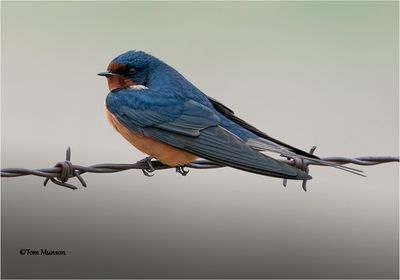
(65, 170)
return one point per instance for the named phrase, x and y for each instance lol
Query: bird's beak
(109, 74)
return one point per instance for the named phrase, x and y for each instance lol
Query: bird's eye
(131, 71)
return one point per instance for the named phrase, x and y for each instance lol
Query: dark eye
(131, 71)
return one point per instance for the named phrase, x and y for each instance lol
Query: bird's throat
(115, 82)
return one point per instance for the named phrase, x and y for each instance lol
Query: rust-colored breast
(163, 152)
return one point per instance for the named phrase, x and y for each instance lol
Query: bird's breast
(165, 153)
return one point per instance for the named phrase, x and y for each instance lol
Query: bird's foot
(181, 170)
(147, 171)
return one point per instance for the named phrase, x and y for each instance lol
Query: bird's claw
(147, 171)
(181, 170)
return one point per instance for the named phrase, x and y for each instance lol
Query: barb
(65, 170)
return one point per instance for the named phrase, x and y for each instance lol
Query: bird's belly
(165, 153)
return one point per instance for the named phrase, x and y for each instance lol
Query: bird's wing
(227, 112)
(193, 127)
(266, 142)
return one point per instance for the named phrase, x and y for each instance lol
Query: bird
(165, 116)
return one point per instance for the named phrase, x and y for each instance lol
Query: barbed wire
(65, 170)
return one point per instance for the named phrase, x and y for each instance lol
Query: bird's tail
(265, 145)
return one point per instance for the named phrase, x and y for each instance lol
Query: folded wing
(193, 127)
(265, 142)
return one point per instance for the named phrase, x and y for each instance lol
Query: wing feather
(193, 127)
(265, 141)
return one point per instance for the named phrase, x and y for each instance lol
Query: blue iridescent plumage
(170, 109)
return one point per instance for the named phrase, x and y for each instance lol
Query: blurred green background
(308, 73)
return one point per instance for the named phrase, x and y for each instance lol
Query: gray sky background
(308, 73)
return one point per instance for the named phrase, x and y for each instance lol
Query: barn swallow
(168, 118)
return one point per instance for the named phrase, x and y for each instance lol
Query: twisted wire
(65, 170)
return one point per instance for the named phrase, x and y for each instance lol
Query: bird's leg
(181, 170)
(150, 169)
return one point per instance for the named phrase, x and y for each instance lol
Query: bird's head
(129, 69)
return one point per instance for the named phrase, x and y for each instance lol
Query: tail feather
(264, 145)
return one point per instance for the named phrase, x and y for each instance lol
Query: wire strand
(65, 170)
